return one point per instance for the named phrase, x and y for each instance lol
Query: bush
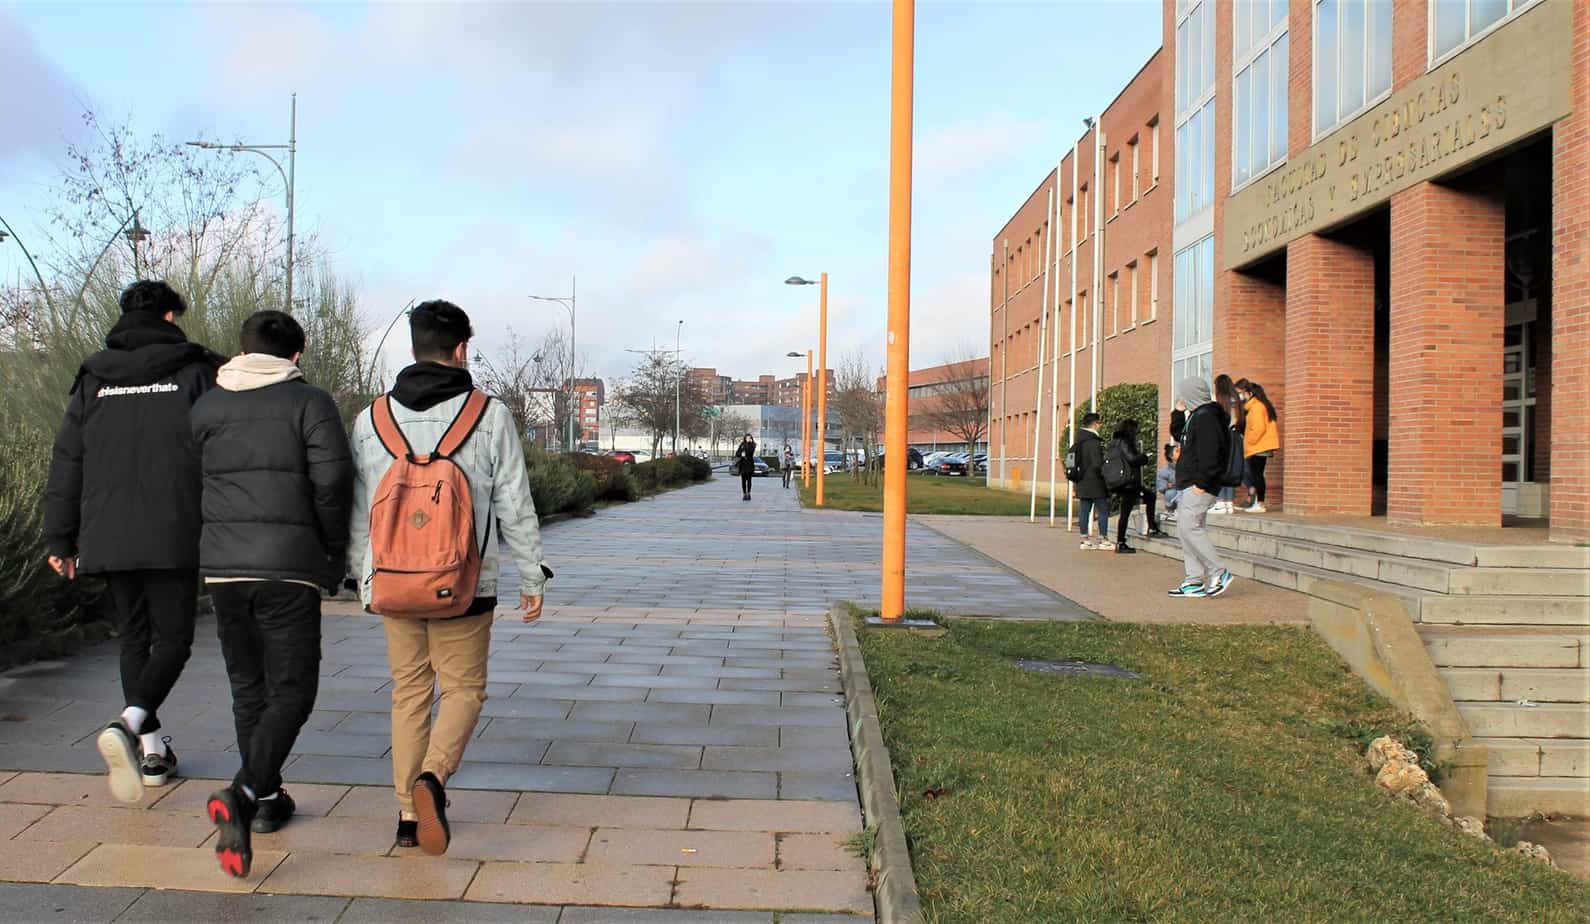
(699, 469)
(557, 485)
(612, 478)
(1119, 402)
(662, 474)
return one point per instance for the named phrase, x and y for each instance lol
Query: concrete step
(1563, 757)
(1506, 646)
(1520, 797)
(1509, 685)
(1483, 609)
(1403, 545)
(1534, 582)
(1510, 720)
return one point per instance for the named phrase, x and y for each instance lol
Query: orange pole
(822, 388)
(806, 424)
(896, 421)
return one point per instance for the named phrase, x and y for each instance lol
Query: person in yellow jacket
(1261, 439)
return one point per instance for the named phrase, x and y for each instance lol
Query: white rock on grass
(1402, 778)
(1473, 827)
(1386, 749)
(1534, 851)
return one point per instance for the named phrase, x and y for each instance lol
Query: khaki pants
(423, 652)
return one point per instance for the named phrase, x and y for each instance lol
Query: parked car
(761, 469)
(952, 464)
(980, 462)
(931, 460)
(913, 459)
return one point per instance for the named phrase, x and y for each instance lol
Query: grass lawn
(924, 494)
(1225, 785)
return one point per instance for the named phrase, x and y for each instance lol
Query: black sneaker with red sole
(231, 812)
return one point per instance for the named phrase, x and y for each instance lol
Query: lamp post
(44, 289)
(376, 357)
(806, 418)
(898, 371)
(822, 372)
(570, 305)
(289, 176)
(679, 374)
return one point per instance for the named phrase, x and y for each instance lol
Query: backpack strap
(463, 426)
(387, 429)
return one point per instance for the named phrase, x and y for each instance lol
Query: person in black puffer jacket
(1199, 470)
(1125, 446)
(278, 494)
(122, 501)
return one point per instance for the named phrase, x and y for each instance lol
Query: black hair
(1170, 450)
(1226, 394)
(273, 332)
(1127, 428)
(437, 327)
(1244, 385)
(1257, 391)
(153, 296)
(1089, 419)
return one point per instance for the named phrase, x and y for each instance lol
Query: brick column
(1327, 433)
(1250, 342)
(1570, 303)
(1446, 353)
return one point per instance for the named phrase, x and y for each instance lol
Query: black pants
(1256, 475)
(1129, 498)
(745, 484)
(788, 473)
(270, 637)
(155, 611)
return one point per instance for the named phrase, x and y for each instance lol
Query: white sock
(152, 743)
(263, 798)
(133, 717)
(250, 793)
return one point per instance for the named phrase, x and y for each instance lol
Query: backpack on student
(422, 521)
(1236, 462)
(1073, 464)
(1117, 474)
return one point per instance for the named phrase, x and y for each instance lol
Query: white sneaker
(1104, 545)
(1087, 545)
(1255, 507)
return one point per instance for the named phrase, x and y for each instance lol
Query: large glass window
(1457, 22)
(1259, 87)
(1352, 58)
(1194, 309)
(1195, 110)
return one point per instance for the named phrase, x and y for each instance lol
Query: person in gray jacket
(422, 653)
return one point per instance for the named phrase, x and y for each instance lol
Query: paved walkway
(670, 735)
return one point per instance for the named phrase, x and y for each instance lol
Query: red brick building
(1380, 211)
(959, 391)
(764, 389)
(592, 395)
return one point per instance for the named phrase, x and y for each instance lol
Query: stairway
(1507, 627)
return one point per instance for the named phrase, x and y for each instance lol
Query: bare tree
(650, 395)
(859, 411)
(514, 379)
(958, 403)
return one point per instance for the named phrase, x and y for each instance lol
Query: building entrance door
(1520, 496)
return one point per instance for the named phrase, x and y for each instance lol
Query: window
(1154, 153)
(1352, 58)
(1192, 342)
(1115, 303)
(1067, 218)
(1070, 318)
(1131, 283)
(1137, 169)
(1115, 184)
(1455, 23)
(1082, 320)
(1153, 285)
(1195, 109)
(1082, 228)
(1258, 137)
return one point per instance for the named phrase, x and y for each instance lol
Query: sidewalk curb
(895, 895)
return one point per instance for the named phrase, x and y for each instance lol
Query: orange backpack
(422, 521)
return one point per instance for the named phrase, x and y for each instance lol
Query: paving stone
(370, 877)
(641, 712)
(73, 789)
(354, 771)
(819, 851)
(727, 735)
(798, 736)
(836, 700)
(600, 811)
(572, 884)
(115, 826)
(822, 919)
(552, 679)
(187, 868)
(658, 681)
(374, 724)
(714, 697)
(555, 730)
(40, 861)
(805, 890)
(16, 816)
(597, 754)
(534, 779)
(64, 904)
(667, 660)
(466, 804)
(311, 800)
(507, 751)
(157, 907)
(835, 785)
(827, 684)
(788, 759)
(524, 707)
(367, 836)
(342, 744)
(661, 916)
(397, 911)
(738, 673)
(781, 815)
(696, 783)
(681, 848)
(777, 715)
(527, 843)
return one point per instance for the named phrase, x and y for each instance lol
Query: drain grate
(1076, 669)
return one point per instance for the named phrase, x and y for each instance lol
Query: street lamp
(44, 289)
(679, 375)
(289, 175)
(822, 372)
(569, 304)
(806, 418)
(376, 357)
(136, 235)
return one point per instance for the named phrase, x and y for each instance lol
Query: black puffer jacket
(1090, 458)
(1127, 448)
(1204, 446)
(278, 483)
(123, 493)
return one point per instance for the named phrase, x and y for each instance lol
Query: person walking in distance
(1261, 438)
(278, 484)
(439, 479)
(1124, 475)
(787, 463)
(1091, 490)
(1206, 445)
(745, 465)
(1226, 396)
(122, 501)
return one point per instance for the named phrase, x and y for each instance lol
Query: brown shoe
(430, 804)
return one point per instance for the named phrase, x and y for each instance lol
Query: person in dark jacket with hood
(1125, 446)
(1199, 471)
(278, 493)
(1091, 490)
(123, 502)
(745, 464)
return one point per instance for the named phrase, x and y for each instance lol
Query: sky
(681, 159)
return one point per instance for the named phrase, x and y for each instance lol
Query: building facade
(591, 395)
(948, 405)
(1380, 210)
(719, 390)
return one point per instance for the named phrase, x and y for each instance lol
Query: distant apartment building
(591, 397)
(719, 390)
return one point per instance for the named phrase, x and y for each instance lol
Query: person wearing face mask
(1261, 437)
(745, 465)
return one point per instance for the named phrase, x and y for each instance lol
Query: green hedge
(1139, 400)
(557, 485)
(614, 482)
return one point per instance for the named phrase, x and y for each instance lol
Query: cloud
(39, 104)
(969, 145)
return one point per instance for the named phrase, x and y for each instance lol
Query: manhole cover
(1076, 669)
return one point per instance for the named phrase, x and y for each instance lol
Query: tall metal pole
(822, 386)
(292, 185)
(574, 367)
(1054, 352)
(898, 370)
(1071, 405)
(44, 288)
(1037, 401)
(678, 374)
(1004, 366)
(806, 424)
